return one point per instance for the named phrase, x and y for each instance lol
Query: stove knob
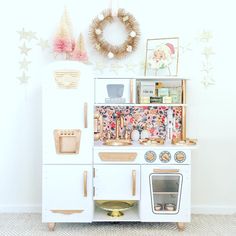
(165, 156)
(150, 156)
(180, 157)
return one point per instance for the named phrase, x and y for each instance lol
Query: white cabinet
(117, 182)
(67, 194)
(165, 184)
(68, 109)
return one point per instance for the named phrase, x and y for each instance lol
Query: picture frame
(162, 57)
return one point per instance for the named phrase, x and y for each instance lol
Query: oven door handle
(166, 170)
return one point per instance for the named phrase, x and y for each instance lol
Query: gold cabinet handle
(85, 183)
(85, 115)
(67, 212)
(133, 182)
(131, 91)
(165, 170)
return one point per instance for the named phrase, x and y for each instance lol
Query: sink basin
(117, 142)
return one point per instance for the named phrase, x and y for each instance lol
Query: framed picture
(162, 55)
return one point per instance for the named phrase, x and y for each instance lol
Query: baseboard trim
(213, 209)
(20, 208)
(196, 209)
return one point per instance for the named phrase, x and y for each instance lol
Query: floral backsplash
(153, 119)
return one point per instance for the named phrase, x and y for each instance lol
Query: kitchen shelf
(162, 193)
(130, 215)
(145, 77)
(139, 105)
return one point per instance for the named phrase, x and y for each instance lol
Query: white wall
(211, 114)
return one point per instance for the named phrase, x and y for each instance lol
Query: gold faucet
(119, 125)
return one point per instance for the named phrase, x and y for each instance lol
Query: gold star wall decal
(115, 67)
(99, 66)
(23, 78)
(44, 44)
(23, 34)
(24, 50)
(130, 67)
(205, 36)
(31, 35)
(24, 64)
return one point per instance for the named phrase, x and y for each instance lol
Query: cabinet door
(165, 184)
(66, 109)
(117, 182)
(67, 193)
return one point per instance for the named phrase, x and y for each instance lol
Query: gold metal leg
(180, 226)
(51, 226)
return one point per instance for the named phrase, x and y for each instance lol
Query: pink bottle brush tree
(64, 42)
(80, 53)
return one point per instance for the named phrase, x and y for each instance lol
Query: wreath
(107, 49)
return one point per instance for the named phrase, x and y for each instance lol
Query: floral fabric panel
(153, 119)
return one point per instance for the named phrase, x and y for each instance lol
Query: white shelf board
(139, 105)
(130, 215)
(145, 77)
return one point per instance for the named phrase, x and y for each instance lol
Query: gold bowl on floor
(115, 208)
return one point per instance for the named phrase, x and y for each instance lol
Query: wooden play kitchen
(114, 148)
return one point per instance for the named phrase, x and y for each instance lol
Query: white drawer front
(116, 157)
(67, 193)
(117, 182)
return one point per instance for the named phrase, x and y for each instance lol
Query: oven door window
(166, 192)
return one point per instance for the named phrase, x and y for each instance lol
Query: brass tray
(151, 141)
(185, 142)
(115, 208)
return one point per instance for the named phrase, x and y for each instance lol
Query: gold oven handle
(85, 115)
(85, 183)
(165, 170)
(133, 182)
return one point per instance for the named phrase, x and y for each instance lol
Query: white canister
(135, 135)
(145, 134)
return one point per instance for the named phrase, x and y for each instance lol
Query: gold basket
(67, 79)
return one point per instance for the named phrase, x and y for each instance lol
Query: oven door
(165, 193)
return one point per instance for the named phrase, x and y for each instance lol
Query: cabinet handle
(67, 212)
(133, 182)
(131, 91)
(85, 183)
(165, 170)
(85, 115)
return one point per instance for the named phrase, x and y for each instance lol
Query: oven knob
(165, 156)
(180, 156)
(150, 156)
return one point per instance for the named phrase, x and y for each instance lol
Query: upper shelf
(140, 105)
(144, 77)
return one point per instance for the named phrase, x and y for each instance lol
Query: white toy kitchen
(114, 148)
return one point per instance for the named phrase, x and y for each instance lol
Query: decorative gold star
(99, 66)
(130, 67)
(207, 82)
(115, 67)
(23, 78)
(44, 44)
(206, 68)
(142, 65)
(23, 34)
(205, 36)
(24, 50)
(24, 64)
(31, 35)
(207, 52)
(185, 47)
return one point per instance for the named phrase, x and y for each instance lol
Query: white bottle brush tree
(80, 52)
